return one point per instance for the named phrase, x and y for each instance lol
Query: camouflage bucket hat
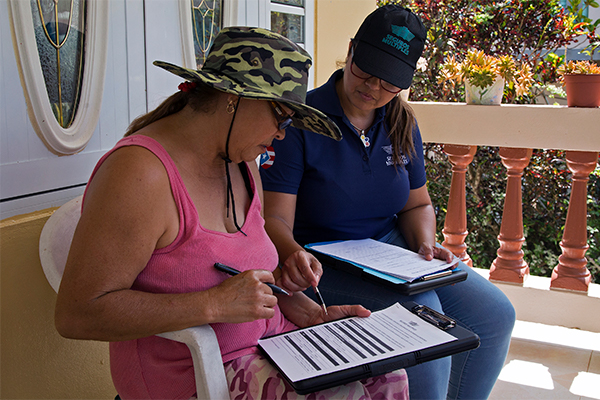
(259, 64)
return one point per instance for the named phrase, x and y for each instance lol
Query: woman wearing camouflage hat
(372, 184)
(178, 194)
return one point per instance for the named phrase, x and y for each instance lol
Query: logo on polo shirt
(399, 38)
(389, 159)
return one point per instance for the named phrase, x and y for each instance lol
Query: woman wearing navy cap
(372, 184)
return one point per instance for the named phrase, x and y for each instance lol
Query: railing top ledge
(510, 125)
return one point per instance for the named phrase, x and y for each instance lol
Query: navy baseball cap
(389, 43)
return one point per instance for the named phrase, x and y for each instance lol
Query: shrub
(527, 30)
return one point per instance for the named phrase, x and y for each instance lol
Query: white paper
(346, 343)
(384, 257)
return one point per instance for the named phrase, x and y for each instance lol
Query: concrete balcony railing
(517, 129)
(539, 366)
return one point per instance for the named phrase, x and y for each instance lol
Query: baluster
(571, 272)
(455, 225)
(510, 266)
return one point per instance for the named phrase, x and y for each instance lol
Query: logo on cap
(401, 41)
(403, 32)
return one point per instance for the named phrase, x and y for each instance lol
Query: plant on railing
(582, 83)
(484, 74)
(582, 67)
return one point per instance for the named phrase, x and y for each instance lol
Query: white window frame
(185, 23)
(236, 12)
(308, 11)
(71, 140)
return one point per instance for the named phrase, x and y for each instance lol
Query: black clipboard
(465, 340)
(452, 276)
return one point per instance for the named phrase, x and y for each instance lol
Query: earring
(230, 107)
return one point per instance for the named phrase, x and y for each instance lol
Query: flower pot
(582, 90)
(487, 95)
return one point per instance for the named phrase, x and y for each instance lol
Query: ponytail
(200, 98)
(400, 119)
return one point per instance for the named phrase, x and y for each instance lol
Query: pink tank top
(154, 367)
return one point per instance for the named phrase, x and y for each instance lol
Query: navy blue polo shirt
(344, 190)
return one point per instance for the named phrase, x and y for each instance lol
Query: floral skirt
(252, 377)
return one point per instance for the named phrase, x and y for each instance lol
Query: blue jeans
(475, 303)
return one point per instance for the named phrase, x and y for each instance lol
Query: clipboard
(462, 340)
(429, 282)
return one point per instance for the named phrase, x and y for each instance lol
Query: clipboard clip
(437, 275)
(434, 317)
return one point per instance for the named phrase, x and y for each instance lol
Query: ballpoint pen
(233, 272)
(320, 299)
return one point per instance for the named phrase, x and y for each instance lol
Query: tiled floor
(550, 362)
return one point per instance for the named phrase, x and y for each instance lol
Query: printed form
(384, 257)
(343, 344)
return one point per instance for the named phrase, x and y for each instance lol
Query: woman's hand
(338, 312)
(300, 271)
(430, 252)
(244, 297)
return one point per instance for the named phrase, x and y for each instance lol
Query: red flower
(187, 86)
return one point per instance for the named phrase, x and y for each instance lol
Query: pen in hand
(233, 272)
(320, 299)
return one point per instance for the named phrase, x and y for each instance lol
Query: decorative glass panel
(206, 22)
(288, 25)
(299, 3)
(59, 27)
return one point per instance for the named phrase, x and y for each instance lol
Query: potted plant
(582, 83)
(485, 76)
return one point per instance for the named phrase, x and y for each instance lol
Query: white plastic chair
(55, 242)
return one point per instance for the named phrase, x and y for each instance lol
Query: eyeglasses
(357, 72)
(283, 120)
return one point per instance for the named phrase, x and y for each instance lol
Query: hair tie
(187, 86)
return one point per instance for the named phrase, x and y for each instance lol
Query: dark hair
(400, 119)
(201, 98)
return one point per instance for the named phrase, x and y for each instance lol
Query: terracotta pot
(487, 96)
(582, 90)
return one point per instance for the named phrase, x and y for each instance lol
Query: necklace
(365, 139)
